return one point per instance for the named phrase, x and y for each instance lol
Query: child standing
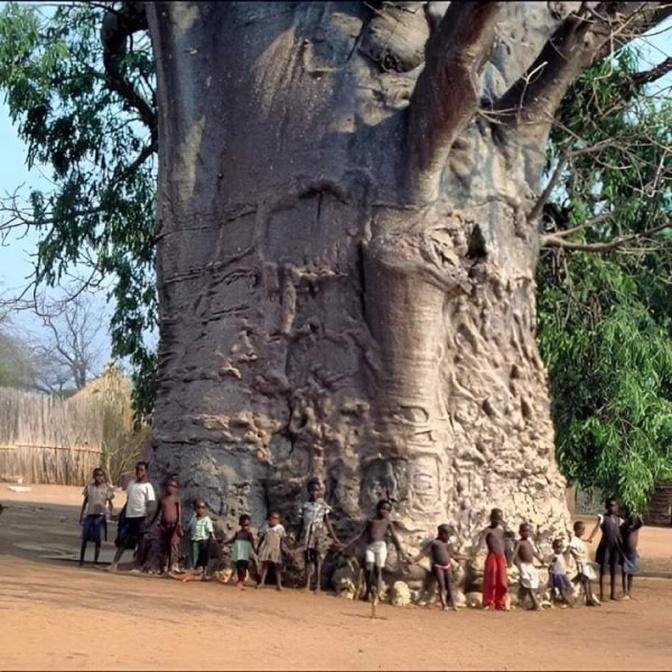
(170, 526)
(524, 556)
(96, 495)
(200, 531)
(609, 552)
(315, 531)
(375, 533)
(495, 581)
(441, 553)
(560, 584)
(630, 563)
(586, 573)
(270, 549)
(140, 502)
(243, 546)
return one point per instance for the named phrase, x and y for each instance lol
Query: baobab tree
(348, 207)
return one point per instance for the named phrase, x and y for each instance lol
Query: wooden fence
(47, 439)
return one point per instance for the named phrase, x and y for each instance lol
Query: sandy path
(54, 615)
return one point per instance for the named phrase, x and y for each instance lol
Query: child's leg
(277, 568)
(264, 571)
(489, 581)
(624, 580)
(318, 571)
(602, 567)
(502, 583)
(97, 552)
(241, 570)
(379, 581)
(630, 580)
(117, 556)
(82, 551)
(440, 577)
(535, 600)
(309, 566)
(448, 574)
(612, 581)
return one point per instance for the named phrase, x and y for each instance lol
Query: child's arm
(110, 497)
(157, 511)
(332, 534)
(423, 552)
(594, 532)
(397, 544)
(514, 555)
(356, 538)
(84, 503)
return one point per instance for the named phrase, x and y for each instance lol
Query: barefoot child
(375, 533)
(269, 550)
(441, 553)
(561, 586)
(242, 548)
(584, 568)
(630, 562)
(315, 531)
(170, 526)
(140, 503)
(609, 552)
(495, 581)
(201, 531)
(524, 556)
(96, 495)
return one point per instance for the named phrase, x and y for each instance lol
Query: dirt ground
(56, 616)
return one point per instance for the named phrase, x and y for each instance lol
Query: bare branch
(445, 97)
(648, 76)
(553, 240)
(583, 36)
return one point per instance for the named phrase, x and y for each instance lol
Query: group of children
(617, 547)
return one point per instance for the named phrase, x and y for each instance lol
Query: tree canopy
(604, 301)
(90, 123)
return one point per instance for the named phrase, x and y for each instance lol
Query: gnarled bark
(316, 318)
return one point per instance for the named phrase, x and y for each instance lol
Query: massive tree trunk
(345, 258)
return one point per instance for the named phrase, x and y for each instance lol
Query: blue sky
(16, 254)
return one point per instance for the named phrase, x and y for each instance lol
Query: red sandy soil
(57, 616)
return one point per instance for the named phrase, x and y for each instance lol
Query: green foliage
(604, 319)
(99, 213)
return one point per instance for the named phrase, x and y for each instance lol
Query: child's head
(172, 486)
(383, 508)
(99, 476)
(141, 470)
(273, 519)
(199, 507)
(245, 522)
(314, 488)
(443, 532)
(611, 506)
(496, 517)
(579, 528)
(558, 546)
(525, 530)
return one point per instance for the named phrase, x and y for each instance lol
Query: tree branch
(553, 240)
(445, 97)
(648, 76)
(117, 27)
(583, 36)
